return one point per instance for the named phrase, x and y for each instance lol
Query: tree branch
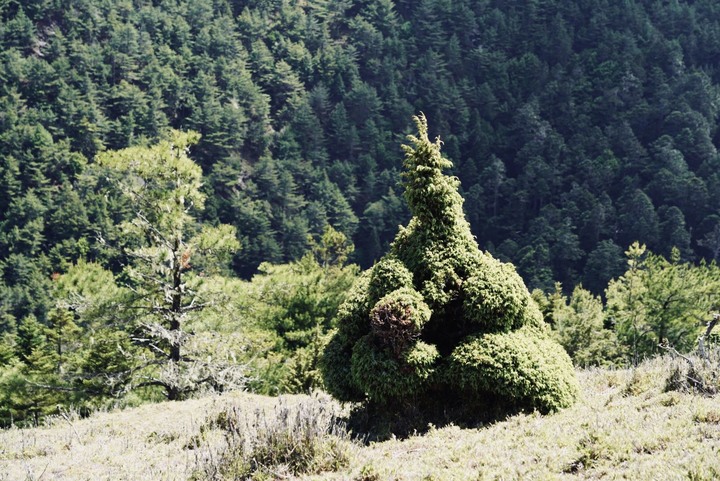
(701, 340)
(675, 353)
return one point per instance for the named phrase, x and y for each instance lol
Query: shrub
(496, 297)
(306, 438)
(352, 314)
(386, 377)
(396, 319)
(439, 322)
(695, 374)
(578, 325)
(519, 365)
(386, 276)
(336, 372)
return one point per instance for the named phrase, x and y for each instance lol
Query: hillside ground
(625, 426)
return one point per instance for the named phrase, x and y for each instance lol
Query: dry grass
(625, 427)
(150, 442)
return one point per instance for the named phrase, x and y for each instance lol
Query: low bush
(438, 324)
(696, 374)
(384, 376)
(307, 438)
(388, 275)
(397, 319)
(496, 297)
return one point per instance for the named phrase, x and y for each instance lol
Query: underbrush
(658, 420)
(290, 440)
(695, 373)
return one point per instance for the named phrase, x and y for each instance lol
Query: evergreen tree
(578, 325)
(604, 263)
(163, 186)
(436, 321)
(658, 302)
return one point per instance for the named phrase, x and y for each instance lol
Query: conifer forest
(204, 195)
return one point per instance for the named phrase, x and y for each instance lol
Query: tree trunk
(173, 393)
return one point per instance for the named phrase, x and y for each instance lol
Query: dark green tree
(604, 263)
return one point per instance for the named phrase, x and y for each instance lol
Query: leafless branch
(675, 353)
(701, 340)
(64, 415)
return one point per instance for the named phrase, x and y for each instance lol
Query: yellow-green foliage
(496, 297)
(437, 315)
(285, 314)
(521, 365)
(386, 276)
(385, 376)
(578, 324)
(661, 301)
(352, 313)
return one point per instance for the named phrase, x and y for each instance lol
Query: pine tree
(659, 301)
(578, 325)
(163, 185)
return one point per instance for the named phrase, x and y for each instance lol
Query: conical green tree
(438, 320)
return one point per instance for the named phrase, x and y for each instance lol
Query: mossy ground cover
(625, 425)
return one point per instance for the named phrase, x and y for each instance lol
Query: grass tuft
(305, 438)
(708, 416)
(368, 473)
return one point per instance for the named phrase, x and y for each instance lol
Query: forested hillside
(575, 127)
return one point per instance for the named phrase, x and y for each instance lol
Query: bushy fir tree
(439, 321)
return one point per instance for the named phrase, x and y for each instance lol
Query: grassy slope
(624, 427)
(144, 443)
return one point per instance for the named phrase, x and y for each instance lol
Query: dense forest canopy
(583, 135)
(575, 127)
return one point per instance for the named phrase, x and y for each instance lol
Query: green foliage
(578, 325)
(78, 358)
(85, 286)
(295, 303)
(162, 185)
(352, 313)
(379, 373)
(496, 298)
(161, 182)
(568, 146)
(386, 276)
(658, 301)
(437, 315)
(333, 249)
(15, 403)
(336, 370)
(297, 105)
(107, 360)
(520, 365)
